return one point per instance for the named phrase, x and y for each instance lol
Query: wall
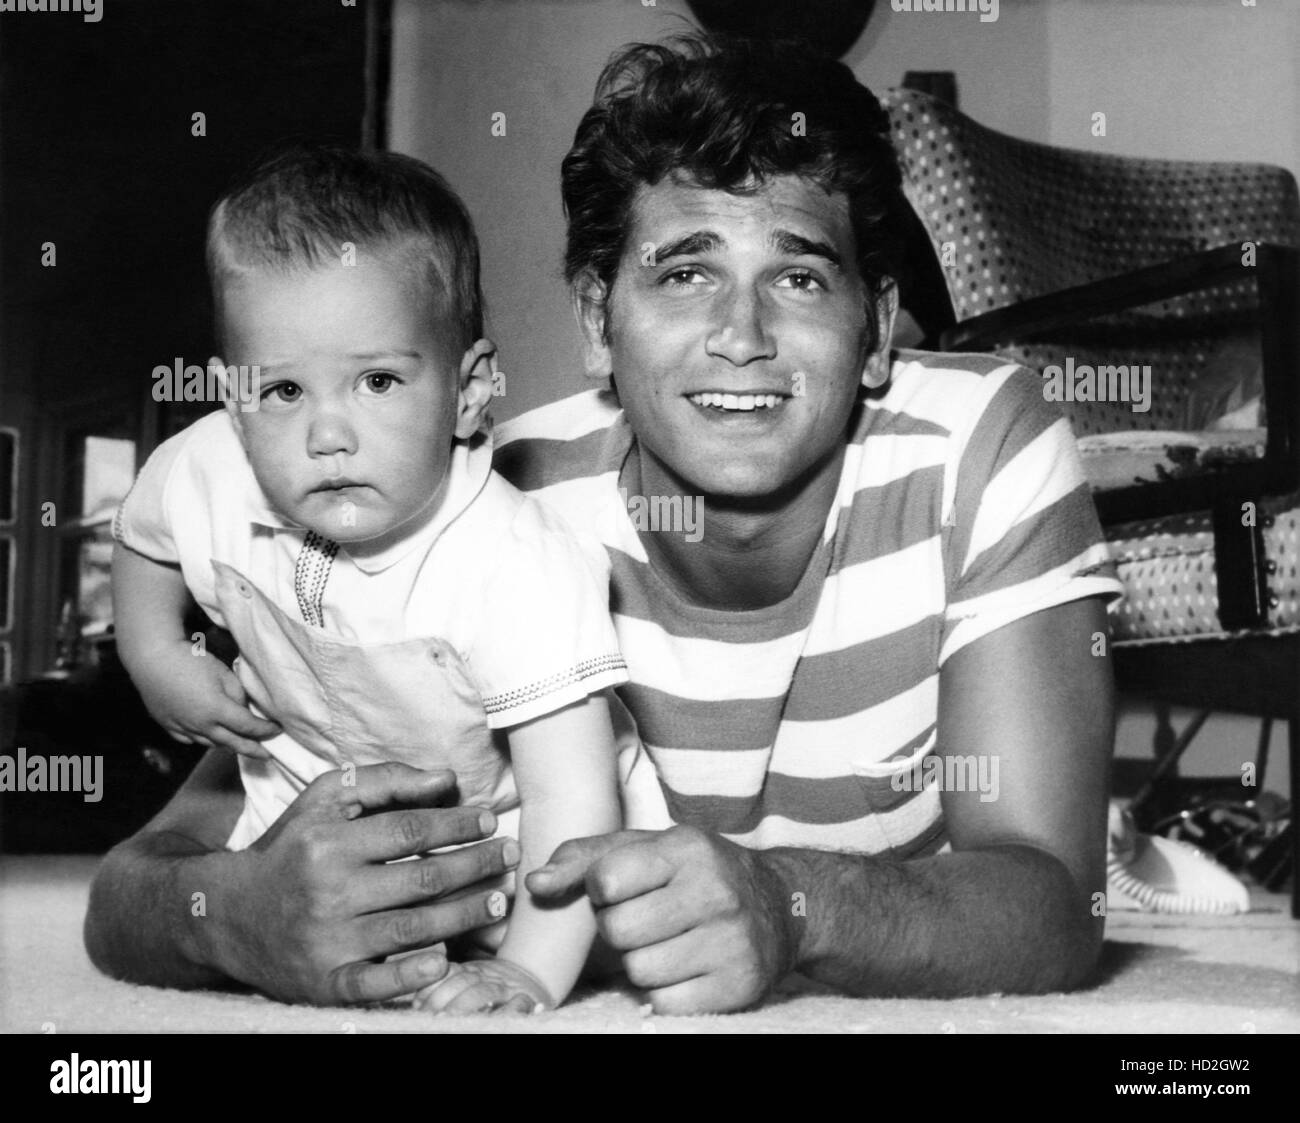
(99, 159)
(1183, 79)
(1198, 79)
(1177, 79)
(457, 63)
(1194, 79)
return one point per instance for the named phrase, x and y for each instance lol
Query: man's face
(359, 394)
(739, 352)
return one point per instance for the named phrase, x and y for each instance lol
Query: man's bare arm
(1013, 907)
(705, 924)
(308, 913)
(134, 928)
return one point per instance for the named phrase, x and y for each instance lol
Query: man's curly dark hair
(729, 113)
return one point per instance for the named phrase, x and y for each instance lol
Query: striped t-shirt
(961, 507)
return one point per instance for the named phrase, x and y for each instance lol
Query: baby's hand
(485, 986)
(198, 700)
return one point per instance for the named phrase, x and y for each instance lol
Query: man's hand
(198, 700)
(701, 923)
(323, 902)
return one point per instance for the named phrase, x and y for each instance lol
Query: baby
(392, 598)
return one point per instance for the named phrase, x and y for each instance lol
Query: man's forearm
(1000, 919)
(145, 923)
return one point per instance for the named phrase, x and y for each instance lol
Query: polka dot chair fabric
(1011, 220)
(1171, 590)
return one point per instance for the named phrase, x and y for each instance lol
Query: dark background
(98, 155)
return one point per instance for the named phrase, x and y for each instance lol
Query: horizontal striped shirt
(961, 508)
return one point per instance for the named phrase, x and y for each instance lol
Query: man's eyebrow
(698, 241)
(788, 242)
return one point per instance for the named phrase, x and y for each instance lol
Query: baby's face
(359, 394)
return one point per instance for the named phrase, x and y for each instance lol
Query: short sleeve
(1021, 533)
(142, 521)
(545, 639)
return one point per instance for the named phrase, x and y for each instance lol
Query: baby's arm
(191, 694)
(566, 772)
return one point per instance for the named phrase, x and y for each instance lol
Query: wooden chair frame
(1256, 675)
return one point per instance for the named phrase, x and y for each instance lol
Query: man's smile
(745, 402)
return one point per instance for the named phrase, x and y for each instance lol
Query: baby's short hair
(298, 208)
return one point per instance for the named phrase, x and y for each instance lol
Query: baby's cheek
(270, 466)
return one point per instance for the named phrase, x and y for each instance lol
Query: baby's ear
(478, 382)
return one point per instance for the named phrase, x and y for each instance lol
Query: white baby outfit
(493, 613)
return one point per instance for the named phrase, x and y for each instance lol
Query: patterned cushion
(1026, 219)
(1171, 591)
(1020, 220)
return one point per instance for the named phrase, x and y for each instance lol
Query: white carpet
(1160, 974)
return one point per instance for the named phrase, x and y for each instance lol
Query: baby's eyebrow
(370, 355)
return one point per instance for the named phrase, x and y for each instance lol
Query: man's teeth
(738, 401)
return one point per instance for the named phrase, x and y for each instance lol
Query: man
(865, 676)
